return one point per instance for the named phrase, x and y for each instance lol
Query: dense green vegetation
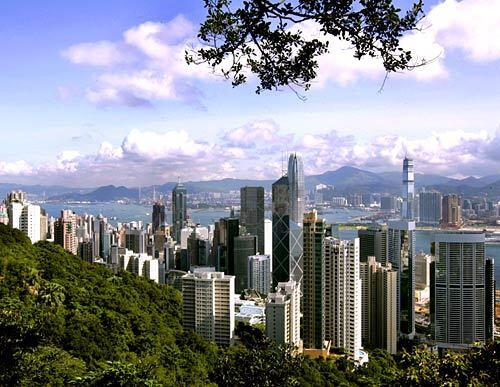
(66, 322)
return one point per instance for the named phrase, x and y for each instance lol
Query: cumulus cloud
(155, 157)
(471, 26)
(103, 53)
(147, 65)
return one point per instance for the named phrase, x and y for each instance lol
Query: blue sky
(96, 92)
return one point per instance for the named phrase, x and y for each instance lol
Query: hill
(62, 319)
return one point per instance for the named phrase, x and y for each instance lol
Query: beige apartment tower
(379, 305)
(209, 305)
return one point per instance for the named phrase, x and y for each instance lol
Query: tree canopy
(265, 37)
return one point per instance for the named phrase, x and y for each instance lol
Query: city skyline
(117, 97)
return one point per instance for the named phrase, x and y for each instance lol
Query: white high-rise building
(209, 305)
(268, 237)
(283, 314)
(30, 222)
(259, 273)
(25, 217)
(14, 211)
(343, 297)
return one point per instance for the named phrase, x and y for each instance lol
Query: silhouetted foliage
(267, 38)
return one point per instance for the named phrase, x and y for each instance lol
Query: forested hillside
(67, 322)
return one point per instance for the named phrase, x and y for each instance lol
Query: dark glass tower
(158, 216)
(252, 213)
(179, 210)
(281, 231)
(373, 242)
(244, 247)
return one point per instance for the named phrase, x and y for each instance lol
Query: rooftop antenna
(154, 194)
(139, 194)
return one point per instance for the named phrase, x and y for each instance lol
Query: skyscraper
(259, 273)
(159, 217)
(314, 287)
(281, 231)
(402, 258)
(179, 210)
(209, 305)
(460, 289)
(343, 296)
(65, 231)
(244, 246)
(430, 207)
(408, 209)
(296, 188)
(379, 304)
(226, 229)
(452, 212)
(373, 242)
(252, 213)
(283, 314)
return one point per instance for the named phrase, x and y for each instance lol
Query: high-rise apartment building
(452, 212)
(373, 242)
(342, 305)
(252, 213)
(283, 314)
(30, 222)
(179, 210)
(379, 304)
(461, 290)
(430, 208)
(259, 273)
(65, 231)
(314, 288)
(209, 305)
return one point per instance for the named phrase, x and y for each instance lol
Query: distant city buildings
(179, 210)
(430, 208)
(252, 214)
(452, 213)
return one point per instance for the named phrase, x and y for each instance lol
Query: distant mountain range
(345, 180)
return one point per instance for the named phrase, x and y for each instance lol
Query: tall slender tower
(297, 188)
(281, 232)
(179, 210)
(252, 213)
(407, 212)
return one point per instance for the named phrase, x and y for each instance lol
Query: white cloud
(472, 26)
(103, 53)
(147, 157)
(15, 168)
(167, 145)
(159, 71)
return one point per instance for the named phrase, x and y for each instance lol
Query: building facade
(283, 314)
(209, 305)
(252, 213)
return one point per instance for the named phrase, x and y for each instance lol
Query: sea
(135, 212)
